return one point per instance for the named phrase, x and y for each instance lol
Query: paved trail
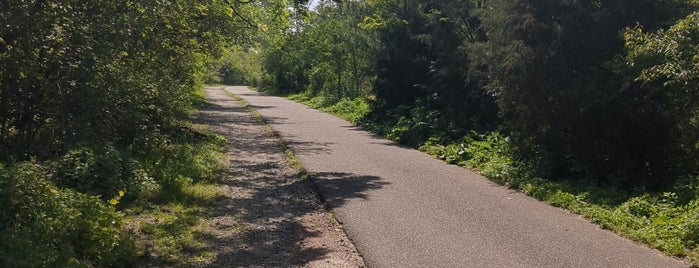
(402, 208)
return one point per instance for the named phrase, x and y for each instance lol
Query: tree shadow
(266, 249)
(276, 120)
(215, 114)
(275, 237)
(304, 148)
(336, 188)
(260, 107)
(259, 221)
(250, 93)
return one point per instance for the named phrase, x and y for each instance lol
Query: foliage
(93, 95)
(664, 69)
(352, 110)
(321, 51)
(551, 68)
(101, 172)
(490, 154)
(417, 123)
(237, 66)
(43, 225)
(423, 53)
(55, 225)
(115, 71)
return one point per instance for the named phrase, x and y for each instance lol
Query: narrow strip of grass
(168, 221)
(351, 110)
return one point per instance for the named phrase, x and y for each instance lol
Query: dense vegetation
(566, 81)
(94, 104)
(589, 105)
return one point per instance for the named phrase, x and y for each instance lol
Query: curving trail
(402, 208)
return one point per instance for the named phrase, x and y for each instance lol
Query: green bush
(351, 110)
(417, 123)
(490, 154)
(102, 172)
(198, 162)
(44, 226)
(691, 227)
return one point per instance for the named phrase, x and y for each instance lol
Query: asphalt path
(403, 208)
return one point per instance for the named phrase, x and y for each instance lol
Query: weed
(293, 160)
(332, 217)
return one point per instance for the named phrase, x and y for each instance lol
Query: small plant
(332, 217)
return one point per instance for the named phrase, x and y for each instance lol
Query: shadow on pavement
(307, 148)
(259, 222)
(276, 238)
(337, 188)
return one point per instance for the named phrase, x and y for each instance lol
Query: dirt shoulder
(269, 216)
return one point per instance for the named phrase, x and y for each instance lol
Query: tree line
(602, 90)
(94, 102)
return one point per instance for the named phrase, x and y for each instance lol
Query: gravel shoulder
(269, 216)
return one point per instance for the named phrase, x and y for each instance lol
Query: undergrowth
(351, 110)
(78, 209)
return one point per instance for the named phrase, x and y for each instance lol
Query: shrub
(419, 122)
(42, 225)
(191, 163)
(352, 110)
(102, 172)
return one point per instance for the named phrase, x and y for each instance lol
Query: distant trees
(324, 52)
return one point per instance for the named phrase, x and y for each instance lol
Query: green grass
(169, 230)
(167, 220)
(173, 233)
(351, 110)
